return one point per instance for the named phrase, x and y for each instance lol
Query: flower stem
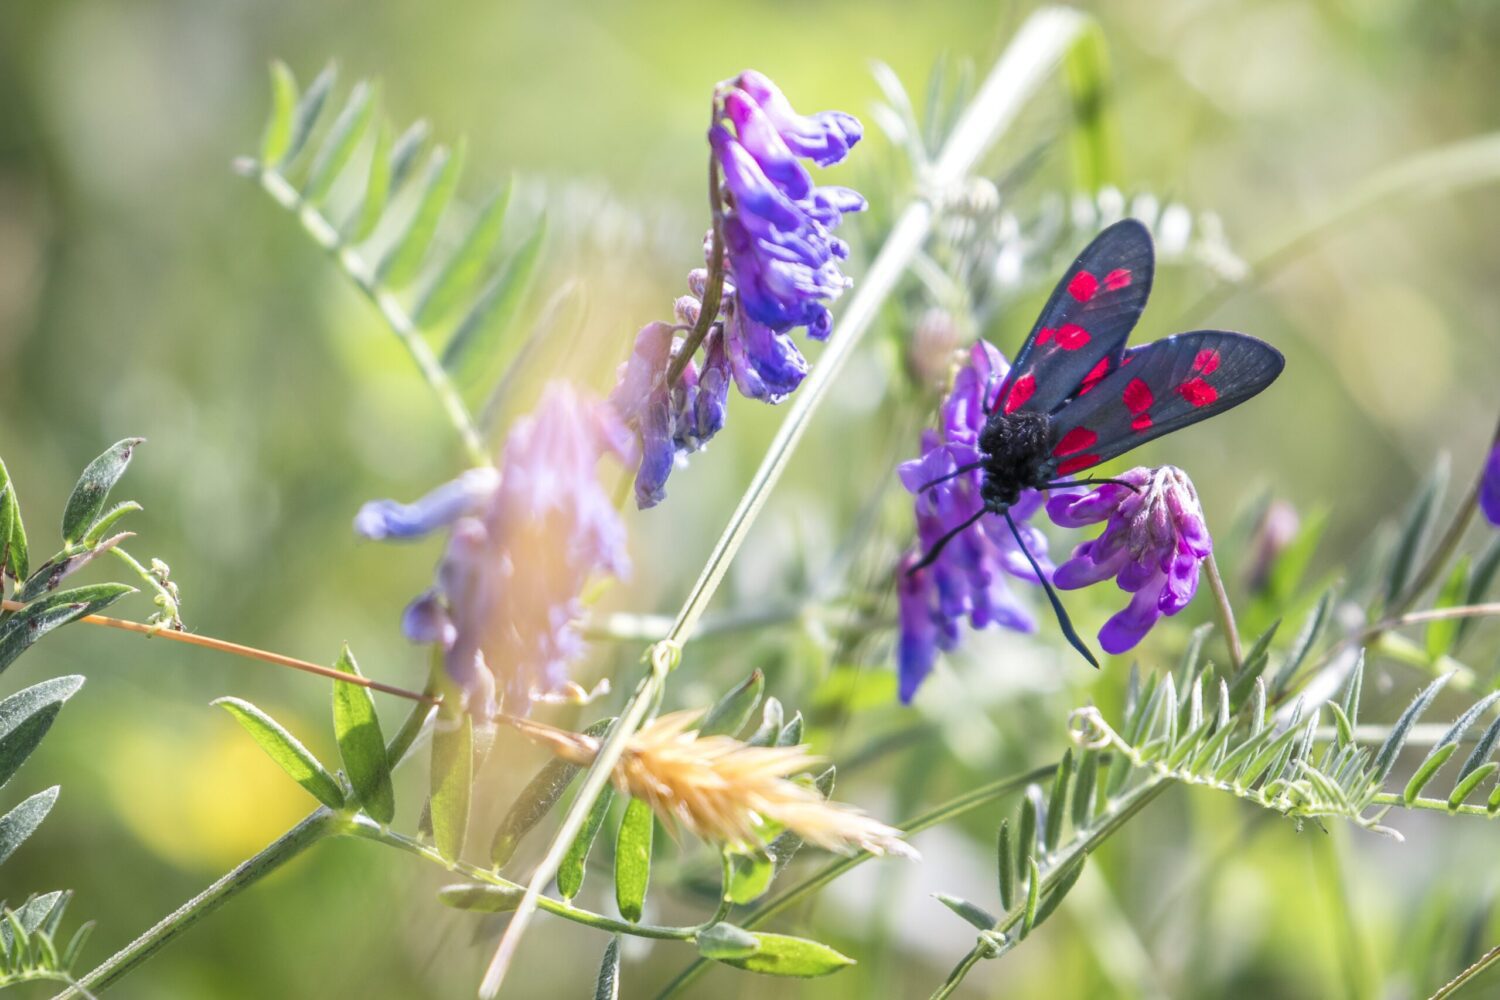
(1225, 613)
(326, 235)
(296, 840)
(1036, 50)
(713, 293)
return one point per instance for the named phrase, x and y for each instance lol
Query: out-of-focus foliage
(145, 289)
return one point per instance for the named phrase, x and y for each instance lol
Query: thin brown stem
(248, 652)
(713, 293)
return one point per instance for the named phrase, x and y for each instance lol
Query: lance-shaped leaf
(607, 986)
(575, 863)
(309, 109)
(1442, 633)
(402, 262)
(348, 128)
(536, 800)
(772, 721)
(782, 955)
(278, 134)
(22, 821)
(1396, 738)
(1414, 532)
(479, 335)
(361, 744)
(482, 898)
(972, 912)
(461, 275)
(452, 779)
(25, 718)
(362, 222)
(1485, 570)
(89, 496)
(285, 749)
(730, 713)
(13, 553)
(749, 877)
(20, 630)
(722, 941)
(633, 859)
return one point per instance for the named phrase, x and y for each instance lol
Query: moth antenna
(937, 547)
(1063, 620)
(952, 475)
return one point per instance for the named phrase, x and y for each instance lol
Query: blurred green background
(145, 289)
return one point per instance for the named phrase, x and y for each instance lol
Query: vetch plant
(692, 829)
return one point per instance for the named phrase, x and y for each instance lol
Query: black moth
(1075, 397)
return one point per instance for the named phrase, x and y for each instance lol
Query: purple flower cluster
(1489, 487)
(968, 578)
(782, 265)
(1154, 539)
(523, 541)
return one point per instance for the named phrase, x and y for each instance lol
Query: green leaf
(404, 155)
(1006, 854)
(1467, 783)
(771, 724)
(107, 520)
(607, 987)
(308, 111)
(482, 898)
(1306, 639)
(575, 863)
(22, 821)
(791, 733)
(1254, 664)
(536, 800)
(1026, 831)
(722, 941)
(1414, 532)
(75, 946)
(1063, 884)
(1057, 804)
(20, 630)
(278, 134)
(452, 779)
(1033, 895)
(481, 332)
(361, 743)
(750, 877)
(92, 491)
(1083, 790)
(785, 847)
(404, 258)
(1481, 750)
(1479, 583)
(289, 754)
(348, 128)
(1291, 563)
(13, 552)
(1386, 758)
(25, 718)
(377, 192)
(1092, 140)
(971, 912)
(1427, 771)
(466, 267)
(781, 955)
(730, 713)
(1442, 633)
(633, 859)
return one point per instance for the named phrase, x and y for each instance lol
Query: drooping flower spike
(778, 269)
(523, 541)
(1154, 540)
(1076, 398)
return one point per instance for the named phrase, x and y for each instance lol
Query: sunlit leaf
(723, 941)
(463, 271)
(25, 718)
(452, 779)
(972, 912)
(342, 139)
(750, 877)
(285, 749)
(87, 500)
(361, 744)
(478, 337)
(781, 955)
(25, 627)
(22, 821)
(14, 559)
(574, 864)
(633, 859)
(482, 898)
(377, 188)
(277, 136)
(404, 259)
(536, 800)
(730, 713)
(307, 113)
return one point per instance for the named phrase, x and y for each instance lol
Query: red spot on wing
(1095, 374)
(1071, 336)
(1083, 286)
(1206, 362)
(1020, 392)
(1197, 392)
(1076, 464)
(1141, 423)
(1044, 335)
(1138, 396)
(1116, 279)
(1075, 440)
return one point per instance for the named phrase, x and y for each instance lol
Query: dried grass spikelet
(723, 790)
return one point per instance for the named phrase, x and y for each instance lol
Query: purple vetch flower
(1154, 539)
(523, 541)
(968, 578)
(1489, 487)
(778, 227)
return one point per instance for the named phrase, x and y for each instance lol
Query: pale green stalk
(1037, 48)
